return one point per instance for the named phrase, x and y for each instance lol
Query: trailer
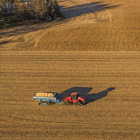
(47, 98)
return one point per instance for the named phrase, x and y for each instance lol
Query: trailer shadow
(84, 92)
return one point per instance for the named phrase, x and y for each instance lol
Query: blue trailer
(47, 98)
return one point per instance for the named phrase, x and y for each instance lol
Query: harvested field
(84, 52)
(109, 80)
(110, 25)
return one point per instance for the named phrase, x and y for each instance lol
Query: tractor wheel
(79, 103)
(84, 102)
(66, 103)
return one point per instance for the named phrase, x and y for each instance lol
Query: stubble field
(110, 25)
(85, 52)
(109, 80)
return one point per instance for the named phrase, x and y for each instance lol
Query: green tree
(11, 1)
(34, 10)
(7, 1)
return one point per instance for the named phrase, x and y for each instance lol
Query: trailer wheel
(50, 103)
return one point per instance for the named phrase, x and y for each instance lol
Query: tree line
(31, 11)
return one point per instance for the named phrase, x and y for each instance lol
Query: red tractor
(75, 98)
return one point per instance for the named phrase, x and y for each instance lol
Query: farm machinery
(47, 98)
(75, 98)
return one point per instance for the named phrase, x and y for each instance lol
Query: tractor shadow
(82, 90)
(84, 93)
(96, 96)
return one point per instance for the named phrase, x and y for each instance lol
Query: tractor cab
(75, 98)
(74, 95)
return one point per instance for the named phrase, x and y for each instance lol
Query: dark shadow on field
(67, 12)
(86, 8)
(4, 42)
(96, 96)
(21, 29)
(84, 92)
